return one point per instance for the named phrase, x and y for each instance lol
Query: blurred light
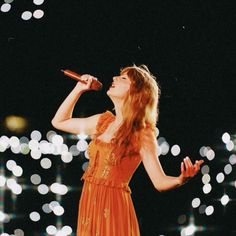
(2, 216)
(85, 165)
(201, 151)
(36, 135)
(35, 179)
(226, 137)
(15, 123)
(58, 210)
(4, 143)
(157, 132)
(196, 202)
(74, 151)
(46, 163)
(34, 216)
(82, 145)
(43, 189)
(11, 183)
(18, 232)
(16, 189)
(38, 2)
(66, 157)
(161, 140)
(35, 154)
(232, 159)
(82, 136)
(17, 171)
(224, 199)
(60, 189)
(24, 140)
(228, 169)
(24, 149)
(220, 177)
(53, 204)
(207, 188)
(209, 210)
(45, 147)
(26, 15)
(57, 140)
(10, 164)
(202, 209)
(175, 150)
(210, 155)
(38, 14)
(188, 231)
(14, 142)
(66, 230)
(165, 147)
(182, 219)
(16, 150)
(51, 230)
(206, 178)
(8, 1)
(86, 154)
(50, 134)
(33, 145)
(46, 208)
(5, 7)
(2, 181)
(230, 145)
(205, 169)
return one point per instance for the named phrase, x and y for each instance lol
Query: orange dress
(105, 207)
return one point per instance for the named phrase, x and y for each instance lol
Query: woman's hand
(87, 79)
(188, 170)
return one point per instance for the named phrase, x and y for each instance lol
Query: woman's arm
(160, 180)
(63, 118)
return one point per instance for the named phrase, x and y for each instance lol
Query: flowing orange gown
(106, 207)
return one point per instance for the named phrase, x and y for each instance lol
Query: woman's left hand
(188, 170)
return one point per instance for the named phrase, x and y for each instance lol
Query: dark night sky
(188, 45)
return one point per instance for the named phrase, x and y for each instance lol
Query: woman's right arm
(63, 118)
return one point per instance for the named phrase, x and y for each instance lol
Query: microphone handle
(95, 85)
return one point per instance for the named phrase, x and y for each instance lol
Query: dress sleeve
(103, 121)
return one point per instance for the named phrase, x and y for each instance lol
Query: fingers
(188, 169)
(86, 81)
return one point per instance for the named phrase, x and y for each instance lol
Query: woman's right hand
(88, 79)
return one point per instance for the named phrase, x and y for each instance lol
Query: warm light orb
(15, 123)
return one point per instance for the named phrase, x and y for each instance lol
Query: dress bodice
(104, 165)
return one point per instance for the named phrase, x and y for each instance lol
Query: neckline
(112, 118)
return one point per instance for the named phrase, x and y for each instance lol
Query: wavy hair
(140, 108)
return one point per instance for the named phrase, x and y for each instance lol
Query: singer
(119, 143)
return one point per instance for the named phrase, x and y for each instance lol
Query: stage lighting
(175, 150)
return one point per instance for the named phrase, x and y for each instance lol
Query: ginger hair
(140, 108)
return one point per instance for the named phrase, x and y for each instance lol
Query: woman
(119, 144)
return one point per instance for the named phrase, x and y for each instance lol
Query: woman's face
(120, 86)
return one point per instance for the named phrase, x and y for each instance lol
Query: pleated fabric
(105, 206)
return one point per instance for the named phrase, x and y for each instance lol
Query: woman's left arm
(160, 180)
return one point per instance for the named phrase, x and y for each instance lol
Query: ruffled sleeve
(103, 122)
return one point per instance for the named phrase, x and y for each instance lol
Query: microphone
(95, 85)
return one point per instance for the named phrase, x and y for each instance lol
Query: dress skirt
(106, 211)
